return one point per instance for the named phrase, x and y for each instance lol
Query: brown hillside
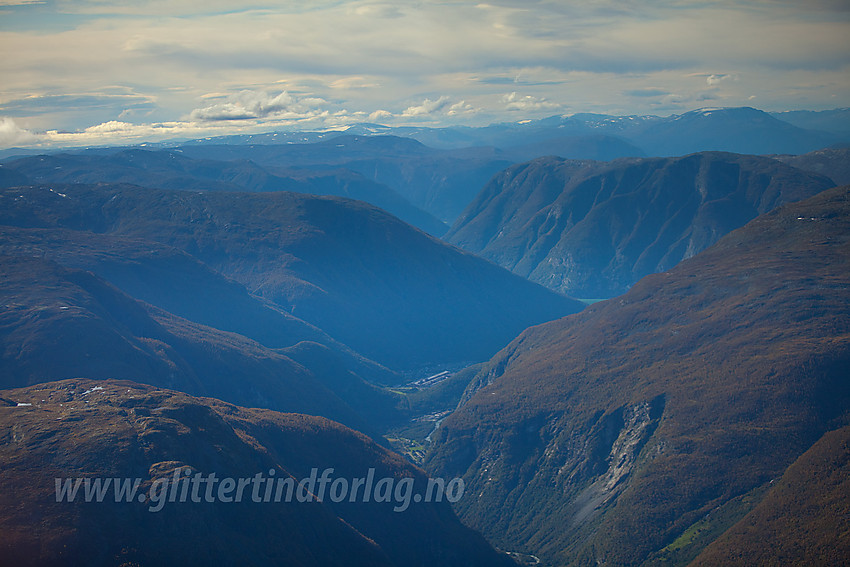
(117, 429)
(605, 436)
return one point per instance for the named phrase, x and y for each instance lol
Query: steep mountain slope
(117, 429)
(62, 323)
(390, 292)
(604, 437)
(592, 229)
(174, 170)
(803, 520)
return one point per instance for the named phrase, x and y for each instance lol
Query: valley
(600, 327)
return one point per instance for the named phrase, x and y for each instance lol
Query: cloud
(515, 102)
(716, 79)
(461, 107)
(606, 56)
(427, 107)
(380, 115)
(346, 83)
(13, 135)
(252, 105)
(47, 103)
(384, 10)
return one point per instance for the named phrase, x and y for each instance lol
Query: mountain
(118, 430)
(387, 290)
(803, 520)
(830, 162)
(739, 130)
(440, 182)
(602, 148)
(836, 121)
(62, 323)
(174, 170)
(591, 229)
(643, 428)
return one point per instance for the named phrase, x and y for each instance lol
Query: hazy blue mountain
(389, 291)
(440, 182)
(831, 162)
(738, 130)
(836, 121)
(172, 169)
(63, 323)
(592, 229)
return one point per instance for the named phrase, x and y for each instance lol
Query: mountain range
(695, 407)
(171, 169)
(161, 305)
(592, 229)
(734, 129)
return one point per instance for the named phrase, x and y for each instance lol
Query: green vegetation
(693, 540)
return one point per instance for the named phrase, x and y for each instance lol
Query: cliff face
(591, 229)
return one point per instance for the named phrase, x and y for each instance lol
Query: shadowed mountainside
(176, 282)
(62, 323)
(118, 429)
(387, 290)
(644, 427)
(591, 229)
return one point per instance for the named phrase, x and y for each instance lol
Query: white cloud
(250, 105)
(716, 79)
(13, 135)
(461, 107)
(380, 115)
(515, 102)
(427, 108)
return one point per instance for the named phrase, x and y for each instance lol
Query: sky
(92, 72)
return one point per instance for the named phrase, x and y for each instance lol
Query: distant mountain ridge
(732, 129)
(591, 229)
(386, 166)
(171, 169)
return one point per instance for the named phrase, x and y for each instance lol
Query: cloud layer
(189, 65)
